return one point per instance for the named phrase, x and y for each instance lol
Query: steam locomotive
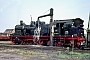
(66, 33)
(28, 30)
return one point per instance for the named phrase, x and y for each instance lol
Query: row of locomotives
(66, 33)
(69, 32)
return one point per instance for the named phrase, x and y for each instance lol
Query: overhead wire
(46, 11)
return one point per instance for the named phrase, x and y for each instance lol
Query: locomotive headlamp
(23, 27)
(54, 25)
(82, 43)
(72, 25)
(66, 32)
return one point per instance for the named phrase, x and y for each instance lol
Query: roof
(8, 30)
(69, 20)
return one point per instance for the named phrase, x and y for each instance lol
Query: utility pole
(88, 32)
(31, 17)
(51, 26)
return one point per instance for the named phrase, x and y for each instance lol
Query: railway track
(52, 48)
(34, 47)
(8, 44)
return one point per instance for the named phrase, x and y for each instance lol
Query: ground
(10, 53)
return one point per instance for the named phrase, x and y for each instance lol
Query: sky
(12, 11)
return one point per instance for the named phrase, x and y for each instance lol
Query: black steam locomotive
(69, 27)
(28, 30)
